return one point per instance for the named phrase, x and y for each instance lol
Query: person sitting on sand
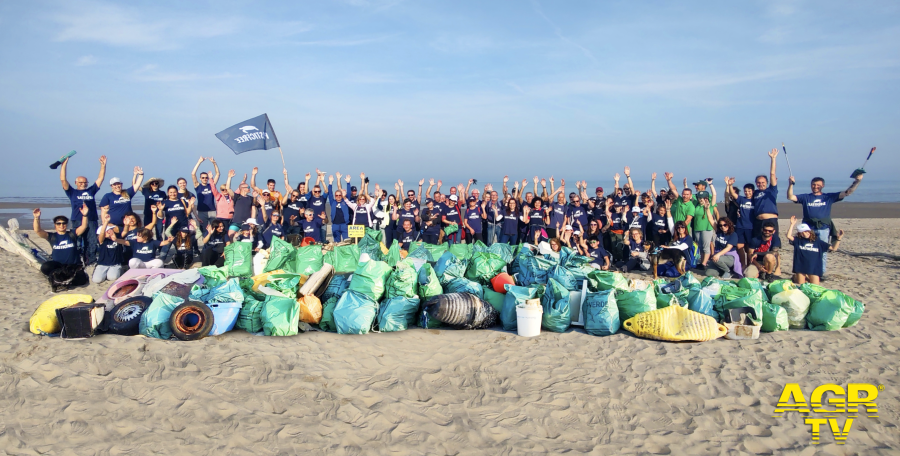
(676, 252)
(809, 252)
(145, 250)
(184, 241)
(764, 260)
(213, 253)
(817, 207)
(63, 243)
(80, 195)
(110, 256)
(131, 226)
(725, 241)
(117, 203)
(599, 256)
(248, 233)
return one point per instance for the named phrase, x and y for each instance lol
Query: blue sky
(451, 89)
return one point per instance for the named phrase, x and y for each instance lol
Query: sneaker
(726, 275)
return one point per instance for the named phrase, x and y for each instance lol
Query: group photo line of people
(625, 229)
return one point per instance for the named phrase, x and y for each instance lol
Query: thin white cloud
(150, 73)
(86, 60)
(587, 53)
(98, 22)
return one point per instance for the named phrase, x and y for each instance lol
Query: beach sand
(448, 392)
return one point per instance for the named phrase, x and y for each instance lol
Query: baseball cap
(251, 221)
(703, 194)
(635, 209)
(429, 200)
(115, 180)
(100, 229)
(700, 182)
(245, 227)
(568, 227)
(454, 198)
(353, 188)
(577, 233)
(472, 198)
(801, 228)
(598, 189)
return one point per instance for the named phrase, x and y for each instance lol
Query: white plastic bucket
(528, 319)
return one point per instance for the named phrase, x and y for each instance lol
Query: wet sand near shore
(449, 392)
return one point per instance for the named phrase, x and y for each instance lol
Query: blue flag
(253, 134)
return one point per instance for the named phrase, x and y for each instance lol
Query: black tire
(125, 318)
(192, 320)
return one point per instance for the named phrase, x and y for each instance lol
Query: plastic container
(528, 319)
(224, 316)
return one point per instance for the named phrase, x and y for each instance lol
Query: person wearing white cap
(809, 251)
(111, 255)
(117, 203)
(450, 217)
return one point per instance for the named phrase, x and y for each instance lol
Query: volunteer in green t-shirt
(703, 227)
(683, 208)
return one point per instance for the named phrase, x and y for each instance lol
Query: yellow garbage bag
(675, 323)
(44, 321)
(310, 309)
(384, 248)
(262, 279)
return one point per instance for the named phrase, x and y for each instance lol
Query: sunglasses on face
(60, 223)
(768, 231)
(317, 191)
(723, 225)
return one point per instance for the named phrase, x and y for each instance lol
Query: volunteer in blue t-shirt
(598, 255)
(213, 253)
(817, 207)
(473, 216)
(271, 228)
(117, 203)
(743, 227)
(63, 242)
(809, 252)
(311, 225)
(206, 200)
(765, 205)
(431, 222)
(407, 235)
(153, 194)
(509, 233)
(82, 194)
(111, 255)
(724, 241)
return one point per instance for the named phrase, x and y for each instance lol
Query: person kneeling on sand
(110, 255)
(809, 252)
(144, 250)
(676, 251)
(64, 245)
(763, 255)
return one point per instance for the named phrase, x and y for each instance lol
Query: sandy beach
(450, 392)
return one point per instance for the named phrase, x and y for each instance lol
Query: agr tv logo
(846, 402)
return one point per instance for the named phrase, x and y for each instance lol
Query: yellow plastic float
(44, 321)
(675, 323)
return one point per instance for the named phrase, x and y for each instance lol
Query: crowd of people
(625, 229)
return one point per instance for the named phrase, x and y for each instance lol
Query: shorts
(760, 257)
(743, 235)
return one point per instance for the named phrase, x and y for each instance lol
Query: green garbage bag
(375, 235)
(733, 297)
(564, 277)
(286, 283)
(307, 260)
(420, 252)
(830, 312)
(634, 302)
(463, 285)
(668, 293)
(279, 253)
(796, 304)
(213, 276)
(522, 256)
(775, 318)
(449, 267)
(516, 295)
(370, 244)
(397, 313)
(403, 281)
(280, 316)
(155, 320)
(555, 301)
(480, 247)
(229, 291)
(483, 267)
(250, 317)
(600, 313)
(713, 285)
(393, 255)
(436, 250)
(812, 291)
(336, 287)
(239, 259)
(199, 292)
(462, 251)
(494, 298)
(534, 270)
(429, 286)
(344, 258)
(779, 286)
(855, 314)
(504, 251)
(606, 280)
(327, 322)
(700, 301)
(687, 280)
(450, 229)
(751, 284)
(369, 279)
(355, 313)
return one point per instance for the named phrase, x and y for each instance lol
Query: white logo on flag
(248, 129)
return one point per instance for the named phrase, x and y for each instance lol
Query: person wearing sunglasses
(206, 198)
(765, 207)
(153, 194)
(764, 261)
(745, 221)
(63, 244)
(809, 252)
(317, 200)
(117, 203)
(224, 201)
(722, 261)
(83, 195)
(243, 207)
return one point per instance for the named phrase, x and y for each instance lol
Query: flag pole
(282, 157)
(787, 159)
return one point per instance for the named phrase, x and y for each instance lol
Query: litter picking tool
(861, 170)
(786, 158)
(62, 159)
